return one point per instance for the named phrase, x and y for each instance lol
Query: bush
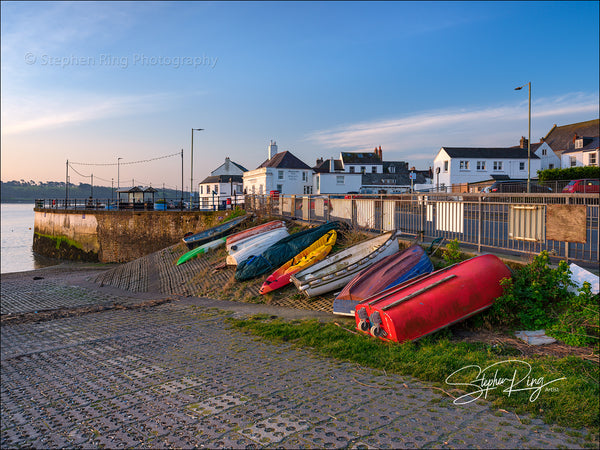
(538, 297)
(452, 253)
(570, 173)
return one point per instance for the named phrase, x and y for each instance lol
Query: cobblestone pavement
(176, 375)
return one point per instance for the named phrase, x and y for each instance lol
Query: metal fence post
(479, 226)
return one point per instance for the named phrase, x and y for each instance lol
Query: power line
(126, 163)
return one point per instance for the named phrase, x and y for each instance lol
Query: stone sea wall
(114, 236)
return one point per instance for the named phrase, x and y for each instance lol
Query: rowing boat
(389, 272)
(213, 233)
(431, 302)
(307, 257)
(245, 234)
(254, 245)
(335, 271)
(201, 250)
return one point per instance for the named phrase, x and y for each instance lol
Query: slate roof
(239, 166)
(223, 179)
(323, 166)
(360, 158)
(493, 152)
(398, 165)
(592, 145)
(561, 138)
(284, 160)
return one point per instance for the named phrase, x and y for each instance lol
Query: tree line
(28, 191)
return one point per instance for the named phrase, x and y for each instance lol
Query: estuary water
(17, 239)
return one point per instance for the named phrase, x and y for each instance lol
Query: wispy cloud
(501, 125)
(32, 113)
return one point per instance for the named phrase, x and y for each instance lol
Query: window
(497, 165)
(550, 166)
(260, 189)
(280, 174)
(480, 165)
(280, 188)
(308, 190)
(464, 165)
(303, 176)
(216, 188)
(573, 161)
(201, 189)
(521, 166)
(318, 182)
(373, 169)
(391, 169)
(544, 152)
(445, 166)
(593, 161)
(339, 179)
(363, 169)
(351, 169)
(579, 143)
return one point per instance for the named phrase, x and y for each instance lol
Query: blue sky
(92, 82)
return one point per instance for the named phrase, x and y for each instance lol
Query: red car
(585, 186)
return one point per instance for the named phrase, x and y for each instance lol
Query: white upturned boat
(337, 270)
(251, 240)
(255, 246)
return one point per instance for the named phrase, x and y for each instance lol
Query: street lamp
(528, 139)
(118, 182)
(192, 167)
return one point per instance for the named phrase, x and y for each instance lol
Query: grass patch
(571, 402)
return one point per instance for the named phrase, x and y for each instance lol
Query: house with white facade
(462, 165)
(576, 144)
(365, 172)
(282, 172)
(224, 186)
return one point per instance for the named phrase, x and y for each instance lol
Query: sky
(90, 83)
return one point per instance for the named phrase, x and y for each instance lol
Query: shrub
(452, 253)
(570, 173)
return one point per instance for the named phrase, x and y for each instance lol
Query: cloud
(38, 112)
(494, 126)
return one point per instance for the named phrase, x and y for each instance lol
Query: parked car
(516, 186)
(585, 186)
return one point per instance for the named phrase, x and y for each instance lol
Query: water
(17, 240)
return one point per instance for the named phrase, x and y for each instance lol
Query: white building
(281, 172)
(224, 186)
(584, 153)
(458, 165)
(576, 143)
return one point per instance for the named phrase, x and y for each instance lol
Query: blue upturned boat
(213, 233)
(387, 273)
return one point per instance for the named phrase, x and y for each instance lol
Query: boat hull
(201, 250)
(258, 245)
(431, 302)
(232, 239)
(387, 273)
(337, 270)
(213, 233)
(309, 256)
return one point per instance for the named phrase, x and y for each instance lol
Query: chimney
(523, 142)
(272, 149)
(227, 161)
(331, 165)
(380, 153)
(319, 161)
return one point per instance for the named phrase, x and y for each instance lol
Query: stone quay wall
(114, 236)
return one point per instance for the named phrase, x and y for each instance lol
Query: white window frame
(280, 174)
(497, 166)
(592, 160)
(480, 165)
(340, 179)
(464, 164)
(521, 166)
(572, 161)
(304, 176)
(280, 188)
(446, 166)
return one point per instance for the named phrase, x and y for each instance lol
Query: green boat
(202, 249)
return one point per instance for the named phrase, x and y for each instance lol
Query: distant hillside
(27, 191)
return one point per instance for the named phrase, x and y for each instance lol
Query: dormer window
(579, 143)
(391, 169)
(351, 169)
(373, 169)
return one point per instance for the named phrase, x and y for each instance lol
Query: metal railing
(166, 204)
(566, 225)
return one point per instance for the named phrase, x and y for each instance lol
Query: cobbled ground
(176, 375)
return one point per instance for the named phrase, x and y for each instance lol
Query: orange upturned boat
(307, 257)
(245, 234)
(431, 302)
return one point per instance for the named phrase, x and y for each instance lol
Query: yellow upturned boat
(310, 255)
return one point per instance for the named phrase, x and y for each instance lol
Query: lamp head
(519, 88)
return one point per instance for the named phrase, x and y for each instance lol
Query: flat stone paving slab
(176, 375)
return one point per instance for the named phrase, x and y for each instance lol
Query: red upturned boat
(389, 272)
(431, 302)
(253, 232)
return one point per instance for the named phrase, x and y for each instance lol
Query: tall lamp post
(528, 139)
(192, 167)
(118, 182)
